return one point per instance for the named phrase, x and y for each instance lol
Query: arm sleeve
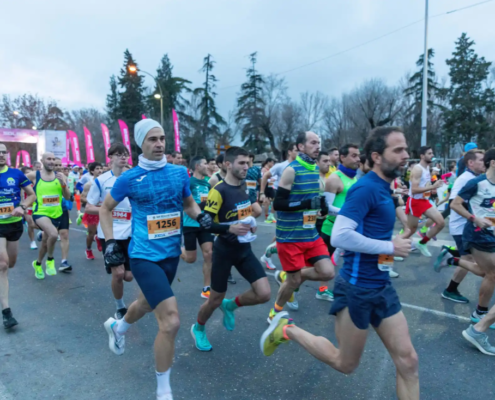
(282, 202)
(217, 229)
(469, 190)
(94, 194)
(344, 236)
(330, 198)
(120, 188)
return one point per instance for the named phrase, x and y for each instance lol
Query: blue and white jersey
(480, 195)
(157, 209)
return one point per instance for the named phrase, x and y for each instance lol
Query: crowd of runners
(332, 210)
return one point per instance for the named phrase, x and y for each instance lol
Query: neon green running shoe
(274, 335)
(401, 231)
(38, 271)
(424, 229)
(79, 219)
(50, 267)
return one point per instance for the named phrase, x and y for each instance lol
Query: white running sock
(163, 382)
(119, 303)
(122, 326)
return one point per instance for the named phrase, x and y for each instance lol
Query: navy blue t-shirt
(368, 203)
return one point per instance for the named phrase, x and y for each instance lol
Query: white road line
(78, 230)
(436, 312)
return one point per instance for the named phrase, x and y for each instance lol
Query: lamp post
(424, 101)
(133, 69)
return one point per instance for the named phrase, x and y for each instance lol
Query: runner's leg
(323, 270)
(167, 316)
(118, 274)
(50, 235)
(64, 243)
(437, 218)
(209, 306)
(259, 293)
(207, 249)
(90, 238)
(4, 274)
(486, 261)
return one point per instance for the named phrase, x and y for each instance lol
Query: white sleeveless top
(423, 182)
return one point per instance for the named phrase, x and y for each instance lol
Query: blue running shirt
(369, 203)
(11, 182)
(157, 209)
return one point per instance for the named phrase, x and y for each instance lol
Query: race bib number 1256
(163, 225)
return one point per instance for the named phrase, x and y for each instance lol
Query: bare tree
(313, 107)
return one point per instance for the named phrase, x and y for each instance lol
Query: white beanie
(142, 128)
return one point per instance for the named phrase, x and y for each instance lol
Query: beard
(390, 170)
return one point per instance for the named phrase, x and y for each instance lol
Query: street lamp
(133, 69)
(425, 82)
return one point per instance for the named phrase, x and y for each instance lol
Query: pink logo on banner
(9, 163)
(90, 154)
(18, 135)
(26, 159)
(106, 140)
(176, 130)
(74, 143)
(125, 138)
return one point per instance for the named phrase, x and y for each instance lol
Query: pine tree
(250, 109)
(113, 102)
(470, 100)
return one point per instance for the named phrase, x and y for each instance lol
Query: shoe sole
(196, 344)
(222, 309)
(476, 344)
(437, 267)
(11, 325)
(266, 264)
(65, 269)
(394, 277)
(204, 297)
(111, 336)
(51, 273)
(451, 299)
(36, 276)
(323, 298)
(271, 328)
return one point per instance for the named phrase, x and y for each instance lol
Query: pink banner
(26, 159)
(18, 135)
(90, 154)
(106, 140)
(9, 162)
(143, 116)
(125, 138)
(18, 159)
(65, 162)
(74, 143)
(176, 130)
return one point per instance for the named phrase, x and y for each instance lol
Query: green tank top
(338, 202)
(48, 197)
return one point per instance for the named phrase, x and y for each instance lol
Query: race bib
(122, 215)
(51, 200)
(6, 210)
(203, 198)
(270, 184)
(244, 211)
(251, 185)
(385, 262)
(309, 219)
(163, 225)
(426, 195)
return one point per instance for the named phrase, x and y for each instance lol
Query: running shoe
(50, 267)
(325, 294)
(274, 334)
(8, 319)
(442, 259)
(479, 340)
(456, 297)
(38, 271)
(115, 345)
(79, 219)
(200, 339)
(89, 255)
(39, 236)
(398, 258)
(293, 304)
(120, 313)
(424, 230)
(268, 262)
(98, 244)
(65, 267)
(166, 396)
(401, 231)
(228, 315)
(423, 248)
(280, 277)
(58, 238)
(392, 273)
(475, 317)
(271, 315)
(34, 246)
(205, 294)
(231, 280)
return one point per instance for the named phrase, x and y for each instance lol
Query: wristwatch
(23, 206)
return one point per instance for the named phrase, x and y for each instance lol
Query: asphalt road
(59, 350)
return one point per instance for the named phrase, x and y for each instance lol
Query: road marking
(78, 230)
(436, 312)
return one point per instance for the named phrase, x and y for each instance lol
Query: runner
(232, 209)
(122, 221)
(461, 165)
(158, 193)
(334, 160)
(176, 158)
(363, 292)
(253, 179)
(222, 171)
(37, 166)
(63, 229)
(298, 202)
(212, 167)
(192, 231)
(479, 239)
(28, 215)
(50, 187)
(475, 167)
(418, 202)
(91, 221)
(11, 211)
(269, 191)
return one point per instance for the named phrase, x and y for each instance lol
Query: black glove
(317, 203)
(205, 220)
(114, 256)
(324, 207)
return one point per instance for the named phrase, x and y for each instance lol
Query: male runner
(222, 171)
(122, 222)
(63, 229)
(363, 292)
(192, 231)
(11, 211)
(176, 158)
(253, 179)
(28, 214)
(50, 187)
(159, 194)
(269, 193)
(475, 167)
(418, 202)
(336, 188)
(298, 202)
(334, 161)
(232, 208)
(37, 166)
(461, 165)
(212, 167)
(90, 221)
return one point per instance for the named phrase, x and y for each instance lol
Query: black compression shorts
(193, 235)
(12, 232)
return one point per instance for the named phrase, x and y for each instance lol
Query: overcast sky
(67, 50)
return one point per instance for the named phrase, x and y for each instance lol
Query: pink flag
(125, 138)
(90, 154)
(143, 116)
(18, 159)
(65, 161)
(8, 159)
(74, 143)
(106, 140)
(26, 159)
(176, 130)
(67, 145)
